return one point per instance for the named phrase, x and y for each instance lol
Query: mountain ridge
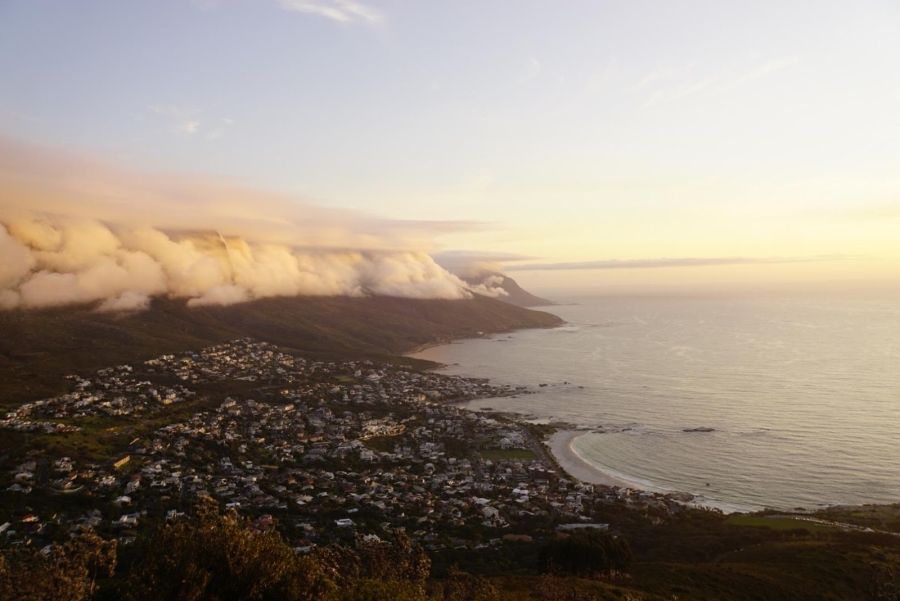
(512, 293)
(39, 347)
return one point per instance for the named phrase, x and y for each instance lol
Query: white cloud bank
(342, 11)
(76, 231)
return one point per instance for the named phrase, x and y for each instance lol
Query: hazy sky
(658, 143)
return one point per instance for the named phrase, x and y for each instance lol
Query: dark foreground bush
(587, 553)
(65, 572)
(217, 557)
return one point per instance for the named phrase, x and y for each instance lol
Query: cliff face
(38, 348)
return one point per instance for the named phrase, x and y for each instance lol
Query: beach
(571, 462)
(742, 403)
(560, 444)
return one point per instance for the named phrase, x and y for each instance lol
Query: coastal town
(321, 451)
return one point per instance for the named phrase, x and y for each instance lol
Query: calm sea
(803, 396)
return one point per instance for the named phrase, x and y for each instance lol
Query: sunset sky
(596, 146)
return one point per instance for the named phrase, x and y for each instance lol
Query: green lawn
(381, 444)
(506, 455)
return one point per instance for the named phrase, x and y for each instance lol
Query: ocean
(802, 397)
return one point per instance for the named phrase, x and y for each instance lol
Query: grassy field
(777, 523)
(381, 444)
(880, 517)
(101, 437)
(506, 454)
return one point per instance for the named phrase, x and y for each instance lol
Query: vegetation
(375, 570)
(778, 523)
(506, 454)
(39, 347)
(218, 555)
(587, 553)
(654, 552)
(66, 572)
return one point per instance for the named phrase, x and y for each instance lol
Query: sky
(641, 146)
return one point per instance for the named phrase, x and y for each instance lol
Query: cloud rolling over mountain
(75, 230)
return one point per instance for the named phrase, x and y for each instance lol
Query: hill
(515, 294)
(39, 347)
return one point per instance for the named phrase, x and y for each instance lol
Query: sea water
(802, 397)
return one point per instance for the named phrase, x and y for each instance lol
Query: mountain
(515, 294)
(39, 347)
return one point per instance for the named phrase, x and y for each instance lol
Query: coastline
(428, 345)
(560, 444)
(735, 490)
(481, 335)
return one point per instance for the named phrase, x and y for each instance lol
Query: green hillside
(38, 347)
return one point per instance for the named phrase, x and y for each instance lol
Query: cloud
(532, 70)
(127, 301)
(173, 111)
(473, 264)
(40, 179)
(659, 74)
(767, 68)
(482, 271)
(342, 11)
(219, 132)
(678, 92)
(76, 230)
(665, 263)
(181, 119)
(54, 261)
(490, 286)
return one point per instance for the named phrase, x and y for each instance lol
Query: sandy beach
(560, 444)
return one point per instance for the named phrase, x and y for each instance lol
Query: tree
(66, 572)
(216, 556)
(398, 561)
(587, 554)
(462, 586)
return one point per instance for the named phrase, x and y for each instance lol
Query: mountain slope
(515, 294)
(38, 347)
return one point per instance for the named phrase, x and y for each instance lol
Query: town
(321, 451)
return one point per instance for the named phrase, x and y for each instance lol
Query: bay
(801, 398)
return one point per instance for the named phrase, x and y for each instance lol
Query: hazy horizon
(712, 287)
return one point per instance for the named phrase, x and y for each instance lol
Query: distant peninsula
(506, 289)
